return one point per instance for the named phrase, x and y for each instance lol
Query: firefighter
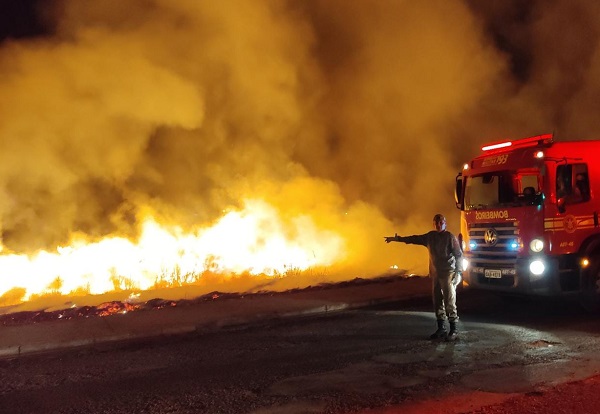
(444, 270)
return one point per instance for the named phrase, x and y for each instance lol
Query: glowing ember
(255, 240)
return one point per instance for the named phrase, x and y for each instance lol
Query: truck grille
(494, 252)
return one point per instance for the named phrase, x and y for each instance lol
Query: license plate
(493, 274)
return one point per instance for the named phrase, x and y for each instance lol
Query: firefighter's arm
(457, 252)
(417, 239)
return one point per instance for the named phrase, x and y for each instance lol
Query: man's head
(439, 222)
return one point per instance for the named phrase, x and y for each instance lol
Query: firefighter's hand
(457, 279)
(395, 237)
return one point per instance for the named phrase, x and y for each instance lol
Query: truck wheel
(590, 299)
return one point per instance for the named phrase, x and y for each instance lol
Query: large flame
(255, 240)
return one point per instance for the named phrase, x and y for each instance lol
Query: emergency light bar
(525, 142)
(496, 146)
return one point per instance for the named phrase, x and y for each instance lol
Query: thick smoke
(356, 113)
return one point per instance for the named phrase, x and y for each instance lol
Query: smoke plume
(356, 113)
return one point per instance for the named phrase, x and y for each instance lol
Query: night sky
(21, 19)
(32, 18)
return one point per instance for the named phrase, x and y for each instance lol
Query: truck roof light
(465, 167)
(544, 139)
(496, 146)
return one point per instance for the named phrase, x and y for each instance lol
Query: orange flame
(255, 240)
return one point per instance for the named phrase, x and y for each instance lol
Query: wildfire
(255, 240)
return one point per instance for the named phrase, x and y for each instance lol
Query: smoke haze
(356, 113)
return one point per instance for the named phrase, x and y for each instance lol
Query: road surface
(369, 360)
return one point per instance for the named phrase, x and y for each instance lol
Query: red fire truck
(529, 217)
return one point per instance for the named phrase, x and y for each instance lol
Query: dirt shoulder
(577, 397)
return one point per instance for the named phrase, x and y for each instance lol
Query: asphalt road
(356, 361)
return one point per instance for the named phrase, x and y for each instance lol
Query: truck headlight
(536, 245)
(537, 267)
(465, 264)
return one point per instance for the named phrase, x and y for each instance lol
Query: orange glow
(255, 240)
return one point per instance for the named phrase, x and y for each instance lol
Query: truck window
(529, 188)
(481, 191)
(529, 181)
(501, 188)
(572, 183)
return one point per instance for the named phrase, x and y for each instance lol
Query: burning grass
(134, 304)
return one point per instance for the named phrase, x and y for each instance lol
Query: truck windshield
(502, 189)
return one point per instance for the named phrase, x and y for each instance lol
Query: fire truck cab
(529, 217)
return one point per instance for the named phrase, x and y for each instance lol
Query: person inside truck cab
(528, 193)
(569, 192)
(582, 186)
(561, 187)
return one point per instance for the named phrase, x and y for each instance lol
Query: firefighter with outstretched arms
(444, 271)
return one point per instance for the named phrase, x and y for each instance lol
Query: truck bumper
(558, 278)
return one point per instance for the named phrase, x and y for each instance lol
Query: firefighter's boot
(453, 334)
(441, 330)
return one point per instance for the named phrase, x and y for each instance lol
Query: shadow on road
(490, 307)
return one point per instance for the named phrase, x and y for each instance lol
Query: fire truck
(529, 218)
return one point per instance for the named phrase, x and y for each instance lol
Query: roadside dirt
(576, 397)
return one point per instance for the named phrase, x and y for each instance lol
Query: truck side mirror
(458, 195)
(560, 203)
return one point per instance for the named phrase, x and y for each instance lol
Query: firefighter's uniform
(444, 263)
